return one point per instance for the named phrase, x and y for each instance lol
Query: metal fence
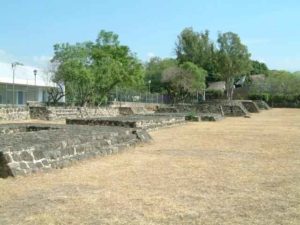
(132, 96)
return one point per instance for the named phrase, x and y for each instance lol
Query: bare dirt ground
(236, 171)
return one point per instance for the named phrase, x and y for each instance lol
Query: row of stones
(56, 113)
(84, 112)
(14, 114)
(162, 122)
(226, 108)
(144, 122)
(134, 111)
(251, 106)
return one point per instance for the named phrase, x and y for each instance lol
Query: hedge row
(290, 101)
(214, 94)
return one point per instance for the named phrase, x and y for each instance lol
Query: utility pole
(149, 83)
(13, 67)
(36, 92)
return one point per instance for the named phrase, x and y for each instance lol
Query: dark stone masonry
(32, 148)
(60, 113)
(221, 108)
(148, 122)
(17, 113)
(29, 148)
(251, 106)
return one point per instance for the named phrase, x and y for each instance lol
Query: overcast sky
(30, 28)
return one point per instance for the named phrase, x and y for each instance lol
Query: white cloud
(150, 55)
(41, 61)
(6, 57)
(288, 63)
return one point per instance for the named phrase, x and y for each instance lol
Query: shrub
(264, 96)
(278, 100)
(214, 94)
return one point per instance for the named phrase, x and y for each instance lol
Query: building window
(20, 97)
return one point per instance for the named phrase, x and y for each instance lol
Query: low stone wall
(210, 107)
(227, 108)
(221, 107)
(167, 109)
(148, 106)
(60, 113)
(147, 122)
(14, 113)
(39, 112)
(262, 105)
(251, 106)
(33, 148)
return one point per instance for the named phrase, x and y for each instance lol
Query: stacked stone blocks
(26, 151)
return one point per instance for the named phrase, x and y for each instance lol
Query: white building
(23, 85)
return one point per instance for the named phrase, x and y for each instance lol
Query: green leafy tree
(233, 60)
(91, 70)
(297, 73)
(154, 70)
(197, 48)
(74, 71)
(184, 81)
(114, 64)
(277, 83)
(258, 68)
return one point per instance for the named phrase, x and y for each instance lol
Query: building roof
(24, 75)
(219, 85)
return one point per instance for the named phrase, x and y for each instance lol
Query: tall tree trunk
(229, 88)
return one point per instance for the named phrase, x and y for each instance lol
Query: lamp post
(35, 73)
(149, 83)
(13, 67)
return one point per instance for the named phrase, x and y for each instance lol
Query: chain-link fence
(135, 96)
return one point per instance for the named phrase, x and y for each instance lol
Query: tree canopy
(233, 59)
(89, 70)
(154, 71)
(184, 80)
(196, 47)
(258, 68)
(278, 82)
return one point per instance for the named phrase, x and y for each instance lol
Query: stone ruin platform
(147, 122)
(234, 108)
(262, 105)
(223, 107)
(194, 117)
(29, 148)
(251, 106)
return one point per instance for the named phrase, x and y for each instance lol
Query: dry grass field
(236, 171)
